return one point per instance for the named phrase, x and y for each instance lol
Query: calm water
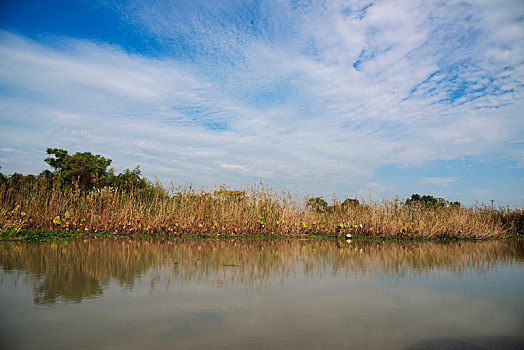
(159, 293)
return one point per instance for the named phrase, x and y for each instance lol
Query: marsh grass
(254, 211)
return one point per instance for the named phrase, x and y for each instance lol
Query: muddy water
(257, 294)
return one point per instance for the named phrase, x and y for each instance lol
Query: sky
(366, 99)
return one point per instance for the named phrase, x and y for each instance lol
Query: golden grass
(256, 210)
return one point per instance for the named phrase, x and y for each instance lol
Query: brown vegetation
(256, 210)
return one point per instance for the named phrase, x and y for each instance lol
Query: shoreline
(37, 236)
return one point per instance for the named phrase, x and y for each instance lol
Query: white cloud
(439, 181)
(282, 103)
(483, 192)
(233, 167)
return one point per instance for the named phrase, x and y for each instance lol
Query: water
(257, 294)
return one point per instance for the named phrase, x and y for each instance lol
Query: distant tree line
(417, 200)
(75, 175)
(89, 171)
(320, 205)
(83, 169)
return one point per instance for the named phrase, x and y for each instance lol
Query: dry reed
(257, 210)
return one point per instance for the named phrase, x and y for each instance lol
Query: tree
(85, 168)
(229, 195)
(350, 202)
(317, 204)
(128, 180)
(429, 201)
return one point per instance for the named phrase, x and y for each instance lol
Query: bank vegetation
(82, 196)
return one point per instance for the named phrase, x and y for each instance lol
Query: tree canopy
(429, 201)
(128, 180)
(83, 167)
(90, 171)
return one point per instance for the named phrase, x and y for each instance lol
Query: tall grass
(256, 210)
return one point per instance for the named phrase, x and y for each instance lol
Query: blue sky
(346, 98)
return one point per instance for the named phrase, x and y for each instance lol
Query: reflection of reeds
(255, 211)
(81, 268)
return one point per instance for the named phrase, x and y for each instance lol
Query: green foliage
(317, 204)
(86, 169)
(46, 174)
(455, 204)
(260, 221)
(129, 180)
(350, 202)
(57, 220)
(90, 171)
(429, 201)
(36, 235)
(59, 160)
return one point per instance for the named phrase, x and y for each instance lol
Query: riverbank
(255, 211)
(36, 236)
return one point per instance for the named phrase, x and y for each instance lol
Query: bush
(317, 204)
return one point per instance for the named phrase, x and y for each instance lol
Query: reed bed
(82, 268)
(256, 210)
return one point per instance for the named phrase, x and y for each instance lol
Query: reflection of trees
(73, 287)
(81, 268)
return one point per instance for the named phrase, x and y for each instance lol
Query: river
(155, 293)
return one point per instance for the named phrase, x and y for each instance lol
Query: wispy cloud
(439, 181)
(483, 192)
(314, 95)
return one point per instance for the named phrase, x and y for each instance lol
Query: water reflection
(73, 270)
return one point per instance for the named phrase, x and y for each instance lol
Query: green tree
(317, 204)
(429, 201)
(350, 202)
(128, 180)
(85, 168)
(229, 195)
